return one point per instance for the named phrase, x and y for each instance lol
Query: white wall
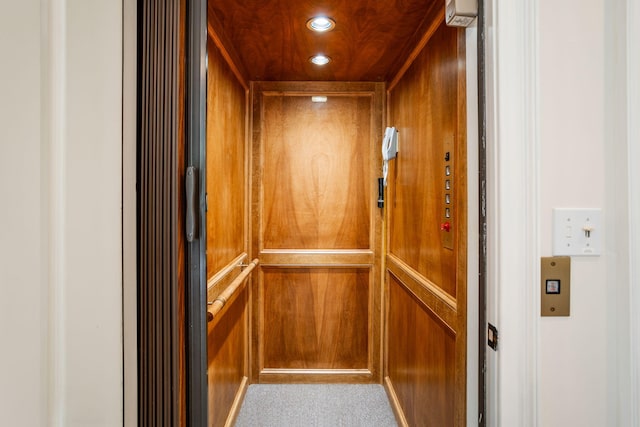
(632, 91)
(23, 265)
(574, 351)
(558, 72)
(61, 192)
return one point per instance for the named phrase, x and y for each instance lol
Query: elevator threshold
(319, 405)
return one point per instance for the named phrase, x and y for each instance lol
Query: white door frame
(513, 223)
(633, 143)
(512, 206)
(129, 209)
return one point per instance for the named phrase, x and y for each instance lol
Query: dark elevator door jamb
(197, 390)
(482, 221)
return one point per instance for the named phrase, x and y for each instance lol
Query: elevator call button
(555, 290)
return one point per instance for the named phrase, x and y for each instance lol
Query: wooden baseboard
(237, 403)
(395, 403)
(316, 376)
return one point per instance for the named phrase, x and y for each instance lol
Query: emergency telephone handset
(389, 149)
(390, 144)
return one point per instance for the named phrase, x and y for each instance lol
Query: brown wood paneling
(226, 343)
(421, 360)
(433, 19)
(316, 226)
(429, 293)
(368, 44)
(316, 172)
(226, 173)
(426, 265)
(227, 231)
(424, 108)
(227, 50)
(315, 318)
(335, 258)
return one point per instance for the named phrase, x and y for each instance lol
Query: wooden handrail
(226, 270)
(216, 305)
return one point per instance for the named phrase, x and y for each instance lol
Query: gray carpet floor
(317, 405)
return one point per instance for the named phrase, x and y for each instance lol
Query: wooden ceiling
(268, 39)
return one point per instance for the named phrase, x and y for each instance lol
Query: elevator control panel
(555, 289)
(446, 224)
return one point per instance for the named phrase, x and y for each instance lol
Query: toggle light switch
(577, 232)
(568, 232)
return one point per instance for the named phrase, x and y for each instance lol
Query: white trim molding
(512, 210)
(55, 118)
(129, 231)
(633, 139)
(619, 218)
(82, 151)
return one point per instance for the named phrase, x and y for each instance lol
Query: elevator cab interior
(318, 272)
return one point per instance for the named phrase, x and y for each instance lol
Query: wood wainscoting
(227, 236)
(227, 360)
(425, 372)
(316, 306)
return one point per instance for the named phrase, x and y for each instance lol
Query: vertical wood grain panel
(227, 230)
(421, 360)
(317, 299)
(226, 359)
(226, 121)
(424, 108)
(426, 265)
(316, 170)
(315, 318)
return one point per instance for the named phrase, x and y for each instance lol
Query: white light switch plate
(577, 232)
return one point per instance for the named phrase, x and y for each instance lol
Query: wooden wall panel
(227, 353)
(227, 231)
(424, 108)
(316, 172)
(317, 232)
(315, 318)
(226, 164)
(421, 360)
(427, 263)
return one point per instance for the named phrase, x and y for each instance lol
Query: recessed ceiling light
(321, 24)
(320, 60)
